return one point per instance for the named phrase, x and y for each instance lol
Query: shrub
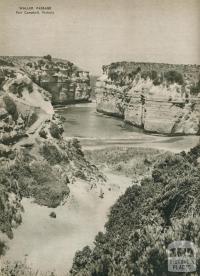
(151, 74)
(82, 257)
(21, 268)
(55, 131)
(195, 89)
(3, 248)
(113, 76)
(11, 107)
(146, 219)
(41, 62)
(174, 76)
(52, 153)
(29, 64)
(5, 63)
(48, 57)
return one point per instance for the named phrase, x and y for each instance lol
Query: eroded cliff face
(62, 79)
(35, 160)
(109, 98)
(152, 96)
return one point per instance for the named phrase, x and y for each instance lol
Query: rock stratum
(61, 78)
(160, 98)
(35, 160)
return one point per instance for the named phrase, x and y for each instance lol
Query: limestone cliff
(35, 160)
(65, 81)
(161, 98)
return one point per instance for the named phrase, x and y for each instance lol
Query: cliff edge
(36, 161)
(160, 98)
(61, 78)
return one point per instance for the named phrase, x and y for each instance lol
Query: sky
(92, 33)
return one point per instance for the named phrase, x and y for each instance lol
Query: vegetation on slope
(146, 219)
(61, 78)
(131, 162)
(35, 160)
(123, 78)
(123, 74)
(45, 171)
(21, 269)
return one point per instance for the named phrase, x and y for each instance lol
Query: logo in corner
(181, 256)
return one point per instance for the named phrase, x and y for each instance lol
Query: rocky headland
(160, 98)
(61, 78)
(38, 164)
(36, 161)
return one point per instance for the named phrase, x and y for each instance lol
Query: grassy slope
(38, 166)
(20, 60)
(166, 207)
(131, 162)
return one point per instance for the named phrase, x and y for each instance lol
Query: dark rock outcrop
(52, 215)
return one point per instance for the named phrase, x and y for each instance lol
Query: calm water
(83, 121)
(97, 130)
(50, 244)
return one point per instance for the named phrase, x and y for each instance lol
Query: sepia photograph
(99, 137)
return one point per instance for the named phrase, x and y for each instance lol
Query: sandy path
(50, 244)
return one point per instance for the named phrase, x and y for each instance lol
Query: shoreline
(172, 144)
(74, 102)
(92, 103)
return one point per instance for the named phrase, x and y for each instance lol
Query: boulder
(52, 215)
